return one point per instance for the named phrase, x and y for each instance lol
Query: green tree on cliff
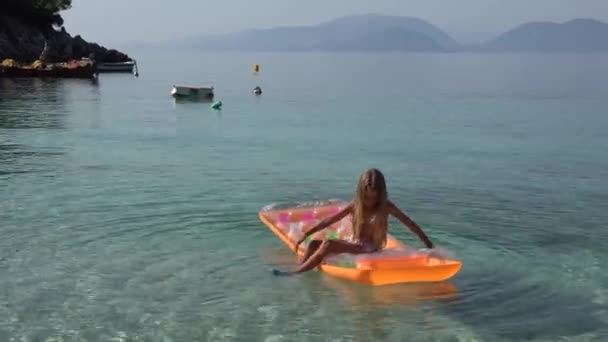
(50, 7)
(40, 12)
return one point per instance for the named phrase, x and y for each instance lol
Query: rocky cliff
(24, 42)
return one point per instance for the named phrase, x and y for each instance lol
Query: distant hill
(356, 33)
(370, 23)
(390, 39)
(374, 32)
(579, 35)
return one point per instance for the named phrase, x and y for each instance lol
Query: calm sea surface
(128, 216)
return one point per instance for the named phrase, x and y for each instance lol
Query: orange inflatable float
(396, 263)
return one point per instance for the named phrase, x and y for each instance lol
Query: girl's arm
(398, 214)
(327, 222)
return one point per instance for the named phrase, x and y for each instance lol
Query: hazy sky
(122, 21)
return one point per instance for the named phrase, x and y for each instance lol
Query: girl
(369, 210)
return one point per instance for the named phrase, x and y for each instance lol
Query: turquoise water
(128, 216)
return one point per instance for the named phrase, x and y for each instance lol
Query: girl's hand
(299, 243)
(325, 223)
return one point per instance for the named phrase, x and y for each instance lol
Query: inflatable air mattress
(396, 263)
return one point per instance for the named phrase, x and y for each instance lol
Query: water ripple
(128, 216)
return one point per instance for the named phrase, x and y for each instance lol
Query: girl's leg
(313, 246)
(326, 248)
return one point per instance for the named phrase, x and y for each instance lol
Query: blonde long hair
(371, 179)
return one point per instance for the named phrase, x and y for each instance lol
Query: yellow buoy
(256, 68)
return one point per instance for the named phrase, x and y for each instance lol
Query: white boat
(192, 91)
(117, 67)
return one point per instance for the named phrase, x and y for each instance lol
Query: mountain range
(579, 35)
(374, 32)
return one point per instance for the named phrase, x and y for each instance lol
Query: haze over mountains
(373, 32)
(586, 35)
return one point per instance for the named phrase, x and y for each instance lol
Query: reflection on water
(191, 99)
(17, 159)
(31, 103)
(192, 103)
(397, 295)
(39, 103)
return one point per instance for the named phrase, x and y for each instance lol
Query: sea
(128, 215)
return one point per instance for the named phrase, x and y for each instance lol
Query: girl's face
(370, 198)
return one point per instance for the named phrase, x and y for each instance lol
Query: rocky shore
(24, 42)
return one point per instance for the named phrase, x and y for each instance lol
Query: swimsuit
(367, 246)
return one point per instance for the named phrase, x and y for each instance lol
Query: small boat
(117, 67)
(71, 69)
(192, 91)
